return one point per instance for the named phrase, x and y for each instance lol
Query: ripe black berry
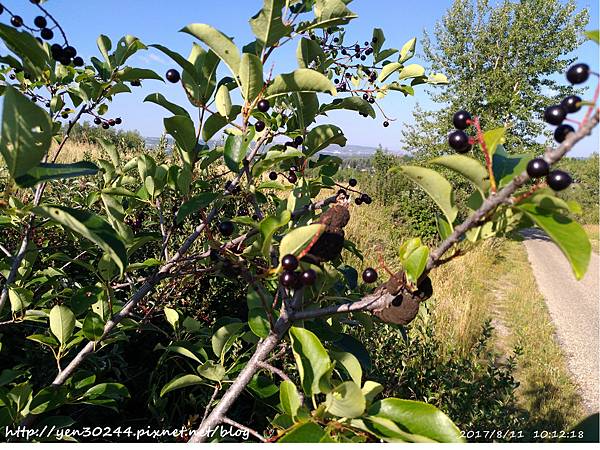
(70, 51)
(16, 21)
(97, 121)
(560, 134)
(555, 114)
(263, 105)
(112, 122)
(571, 104)
(558, 180)
(386, 124)
(64, 60)
(106, 126)
(537, 168)
(40, 22)
(365, 96)
(309, 277)
(292, 177)
(298, 140)
(578, 73)
(273, 176)
(289, 262)
(459, 141)
(461, 119)
(352, 182)
(118, 121)
(369, 275)
(366, 199)
(287, 278)
(226, 228)
(358, 201)
(64, 115)
(56, 51)
(173, 76)
(259, 125)
(78, 61)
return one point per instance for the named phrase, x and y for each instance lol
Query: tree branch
(254, 433)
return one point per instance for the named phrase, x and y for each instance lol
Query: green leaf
(328, 13)
(387, 70)
(93, 327)
(183, 131)
(593, 35)
(346, 400)
(235, 150)
(48, 399)
(570, 237)
(303, 433)
(62, 323)
(493, 138)
(104, 45)
(180, 383)
(469, 168)
(183, 63)
(444, 228)
(267, 25)
(415, 263)
(131, 73)
(90, 226)
(322, 137)
(222, 336)
(159, 99)
(212, 371)
(309, 53)
(289, 398)
(417, 418)
(20, 298)
(24, 45)
(51, 171)
(408, 50)
(436, 186)
(298, 239)
(251, 76)
(194, 204)
(26, 133)
(371, 389)
(351, 103)
(351, 364)
(223, 47)
(172, 317)
(411, 71)
(506, 167)
(312, 361)
(437, 78)
(216, 121)
(107, 390)
(223, 101)
(268, 226)
(300, 80)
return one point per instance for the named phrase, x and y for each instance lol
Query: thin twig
(281, 374)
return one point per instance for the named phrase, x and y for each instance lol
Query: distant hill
(349, 151)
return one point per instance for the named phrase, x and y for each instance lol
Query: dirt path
(573, 306)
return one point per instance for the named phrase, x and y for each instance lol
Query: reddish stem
(486, 153)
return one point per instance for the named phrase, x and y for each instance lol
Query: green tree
(499, 60)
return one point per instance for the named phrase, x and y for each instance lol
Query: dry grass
(78, 151)
(593, 232)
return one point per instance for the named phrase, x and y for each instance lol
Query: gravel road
(574, 309)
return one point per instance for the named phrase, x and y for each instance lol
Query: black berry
(459, 141)
(226, 228)
(309, 277)
(365, 96)
(578, 73)
(293, 169)
(97, 121)
(289, 262)
(173, 76)
(386, 124)
(555, 114)
(118, 121)
(263, 105)
(106, 126)
(259, 125)
(461, 119)
(16, 21)
(70, 51)
(358, 201)
(366, 199)
(298, 140)
(288, 279)
(352, 182)
(571, 104)
(537, 168)
(273, 176)
(56, 50)
(40, 22)
(560, 134)
(369, 275)
(558, 180)
(292, 177)
(78, 61)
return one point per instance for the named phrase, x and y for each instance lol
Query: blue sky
(155, 21)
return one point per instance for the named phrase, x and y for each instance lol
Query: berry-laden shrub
(116, 264)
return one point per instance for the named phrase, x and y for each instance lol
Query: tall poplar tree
(501, 59)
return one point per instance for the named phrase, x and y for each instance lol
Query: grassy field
(492, 281)
(594, 235)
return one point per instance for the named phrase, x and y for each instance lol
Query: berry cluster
(556, 179)
(290, 278)
(106, 124)
(361, 198)
(45, 26)
(458, 139)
